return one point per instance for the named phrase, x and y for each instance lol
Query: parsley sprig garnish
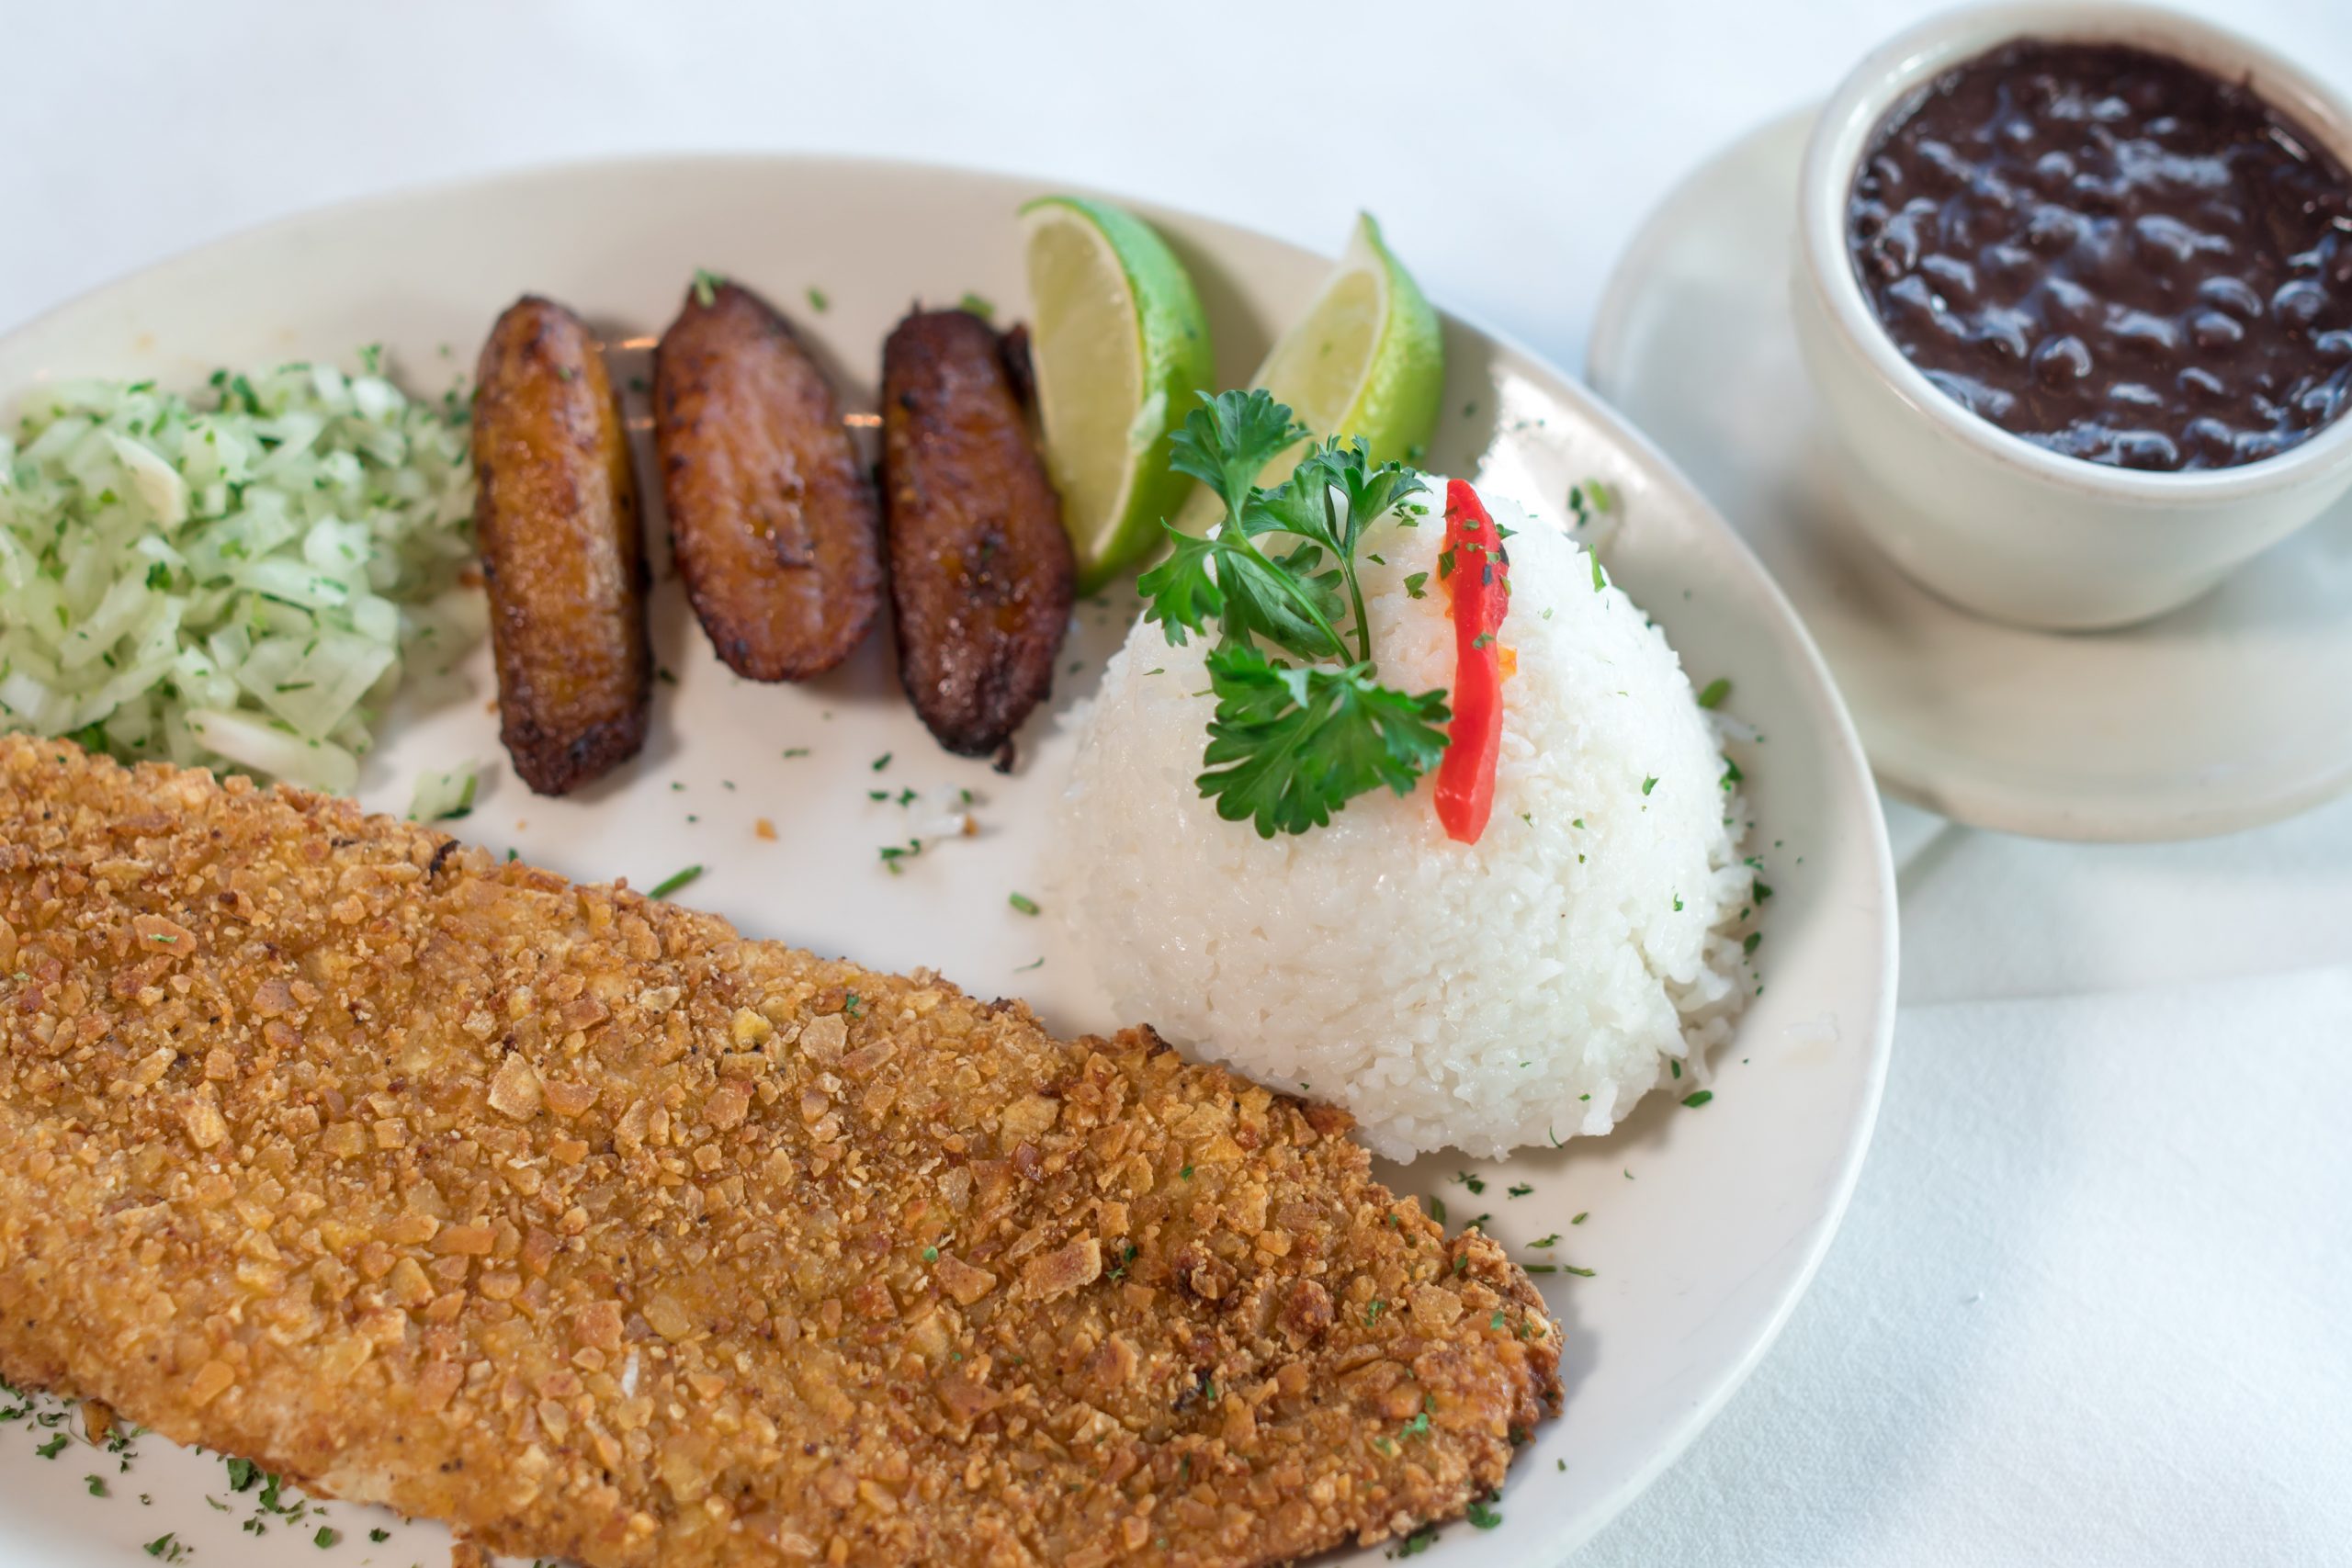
(1302, 724)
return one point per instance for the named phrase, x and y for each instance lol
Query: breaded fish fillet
(587, 1225)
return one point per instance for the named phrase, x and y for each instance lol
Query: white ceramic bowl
(1987, 519)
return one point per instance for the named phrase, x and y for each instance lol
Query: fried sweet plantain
(561, 548)
(981, 575)
(772, 518)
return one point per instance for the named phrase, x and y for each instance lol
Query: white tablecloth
(2093, 1300)
(2088, 1307)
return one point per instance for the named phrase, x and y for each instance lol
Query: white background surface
(2159, 1145)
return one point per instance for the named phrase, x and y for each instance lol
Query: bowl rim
(1905, 62)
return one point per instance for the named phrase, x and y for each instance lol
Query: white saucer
(2233, 711)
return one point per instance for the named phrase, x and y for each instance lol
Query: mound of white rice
(1526, 988)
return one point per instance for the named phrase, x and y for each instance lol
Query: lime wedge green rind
(1366, 359)
(1176, 363)
(1396, 412)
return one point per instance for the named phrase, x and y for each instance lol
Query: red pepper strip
(1479, 580)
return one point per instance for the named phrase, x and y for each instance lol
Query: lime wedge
(1367, 359)
(1121, 348)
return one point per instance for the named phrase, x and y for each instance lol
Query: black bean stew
(2112, 253)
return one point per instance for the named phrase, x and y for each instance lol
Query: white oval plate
(2232, 712)
(1706, 1225)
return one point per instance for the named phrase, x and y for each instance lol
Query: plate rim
(1842, 741)
(1847, 738)
(2176, 815)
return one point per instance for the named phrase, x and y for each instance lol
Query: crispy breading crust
(584, 1222)
(562, 550)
